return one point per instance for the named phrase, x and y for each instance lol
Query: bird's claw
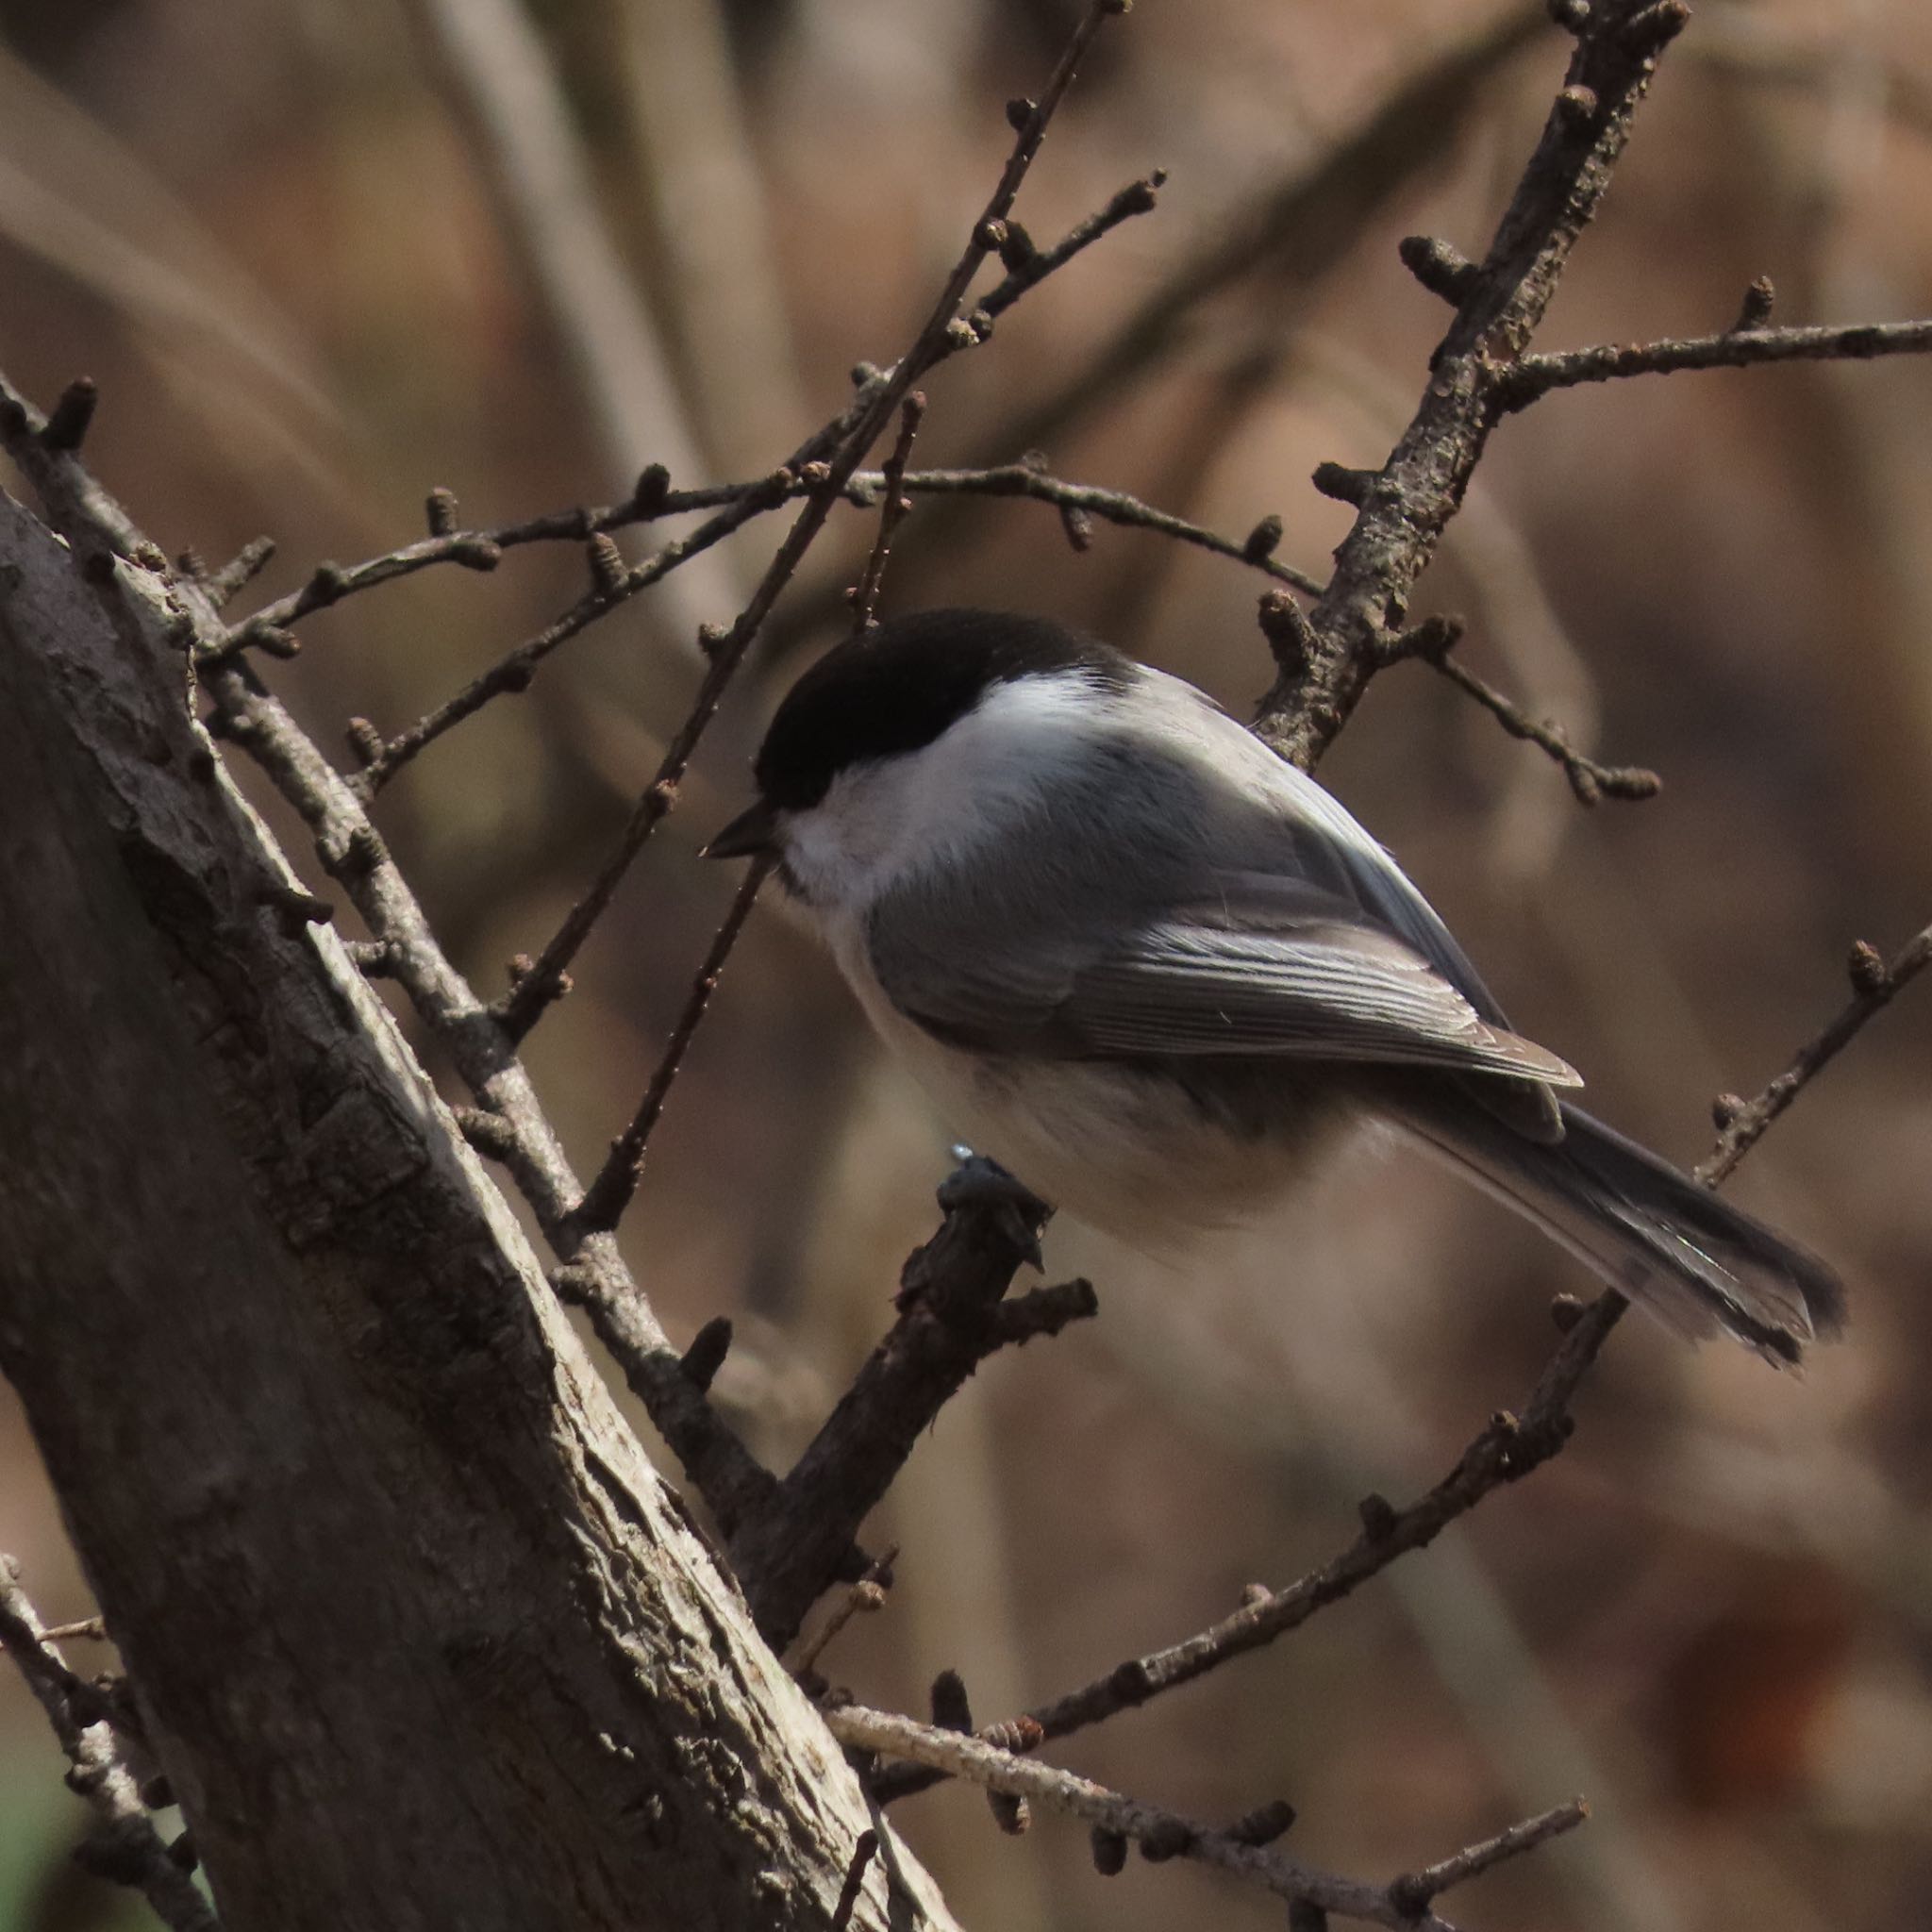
(1015, 1210)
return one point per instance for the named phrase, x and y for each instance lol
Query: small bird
(1151, 969)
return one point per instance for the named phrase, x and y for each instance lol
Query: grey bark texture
(420, 1637)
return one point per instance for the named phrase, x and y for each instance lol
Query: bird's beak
(751, 834)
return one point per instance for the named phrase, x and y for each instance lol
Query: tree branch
(951, 1318)
(1535, 376)
(1876, 983)
(1433, 641)
(124, 1846)
(1404, 507)
(1404, 1904)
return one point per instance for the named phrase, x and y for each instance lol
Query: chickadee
(1149, 967)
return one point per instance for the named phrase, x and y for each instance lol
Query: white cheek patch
(884, 821)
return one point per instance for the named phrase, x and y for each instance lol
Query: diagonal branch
(1876, 983)
(610, 1193)
(1508, 1449)
(1404, 507)
(953, 1315)
(1404, 1904)
(1432, 641)
(124, 1846)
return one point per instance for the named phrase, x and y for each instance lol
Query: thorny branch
(124, 1846)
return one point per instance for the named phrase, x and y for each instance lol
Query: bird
(1153, 971)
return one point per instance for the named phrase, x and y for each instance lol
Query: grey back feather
(1210, 903)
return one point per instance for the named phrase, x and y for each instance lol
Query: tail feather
(1694, 1261)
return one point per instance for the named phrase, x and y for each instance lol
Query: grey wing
(1275, 967)
(1342, 858)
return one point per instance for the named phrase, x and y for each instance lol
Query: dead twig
(610, 1193)
(1416, 1891)
(865, 1596)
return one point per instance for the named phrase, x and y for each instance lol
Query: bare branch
(1535, 377)
(1507, 1450)
(893, 504)
(1160, 1832)
(1876, 983)
(610, 1193)
(1416, 1891)
(124, 1846)
(1433, 641)
(950, 1319)
(1405, 505)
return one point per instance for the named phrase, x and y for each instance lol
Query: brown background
(264, 229)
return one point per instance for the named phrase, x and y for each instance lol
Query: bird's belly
(1140, 1153)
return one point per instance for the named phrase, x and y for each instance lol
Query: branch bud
(1755, 311)
(1344, 484)
(1867, 969)
(1263, 540)
(67, 426)
(1440, 269)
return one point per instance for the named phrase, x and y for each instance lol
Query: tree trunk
(419, 1637)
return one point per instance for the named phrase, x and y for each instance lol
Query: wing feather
(1274, 966)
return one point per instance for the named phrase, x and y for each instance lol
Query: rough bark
(420, 1637)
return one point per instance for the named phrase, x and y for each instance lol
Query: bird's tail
(1649, 1231)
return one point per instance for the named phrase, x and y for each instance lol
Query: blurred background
(322, 254)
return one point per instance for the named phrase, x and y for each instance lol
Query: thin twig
(1287, 235)
(654, 498)
(1166, 1834)
(610, 1193)
(1876, 983)
(89, 1630)
(1589, 779)
(893, 504)
(1535, 377)
(1417, 1889)
(1112, 505)
(943, 329)
(481, 549)
(864, 1849)
(866, 1595)
(123, 1845)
